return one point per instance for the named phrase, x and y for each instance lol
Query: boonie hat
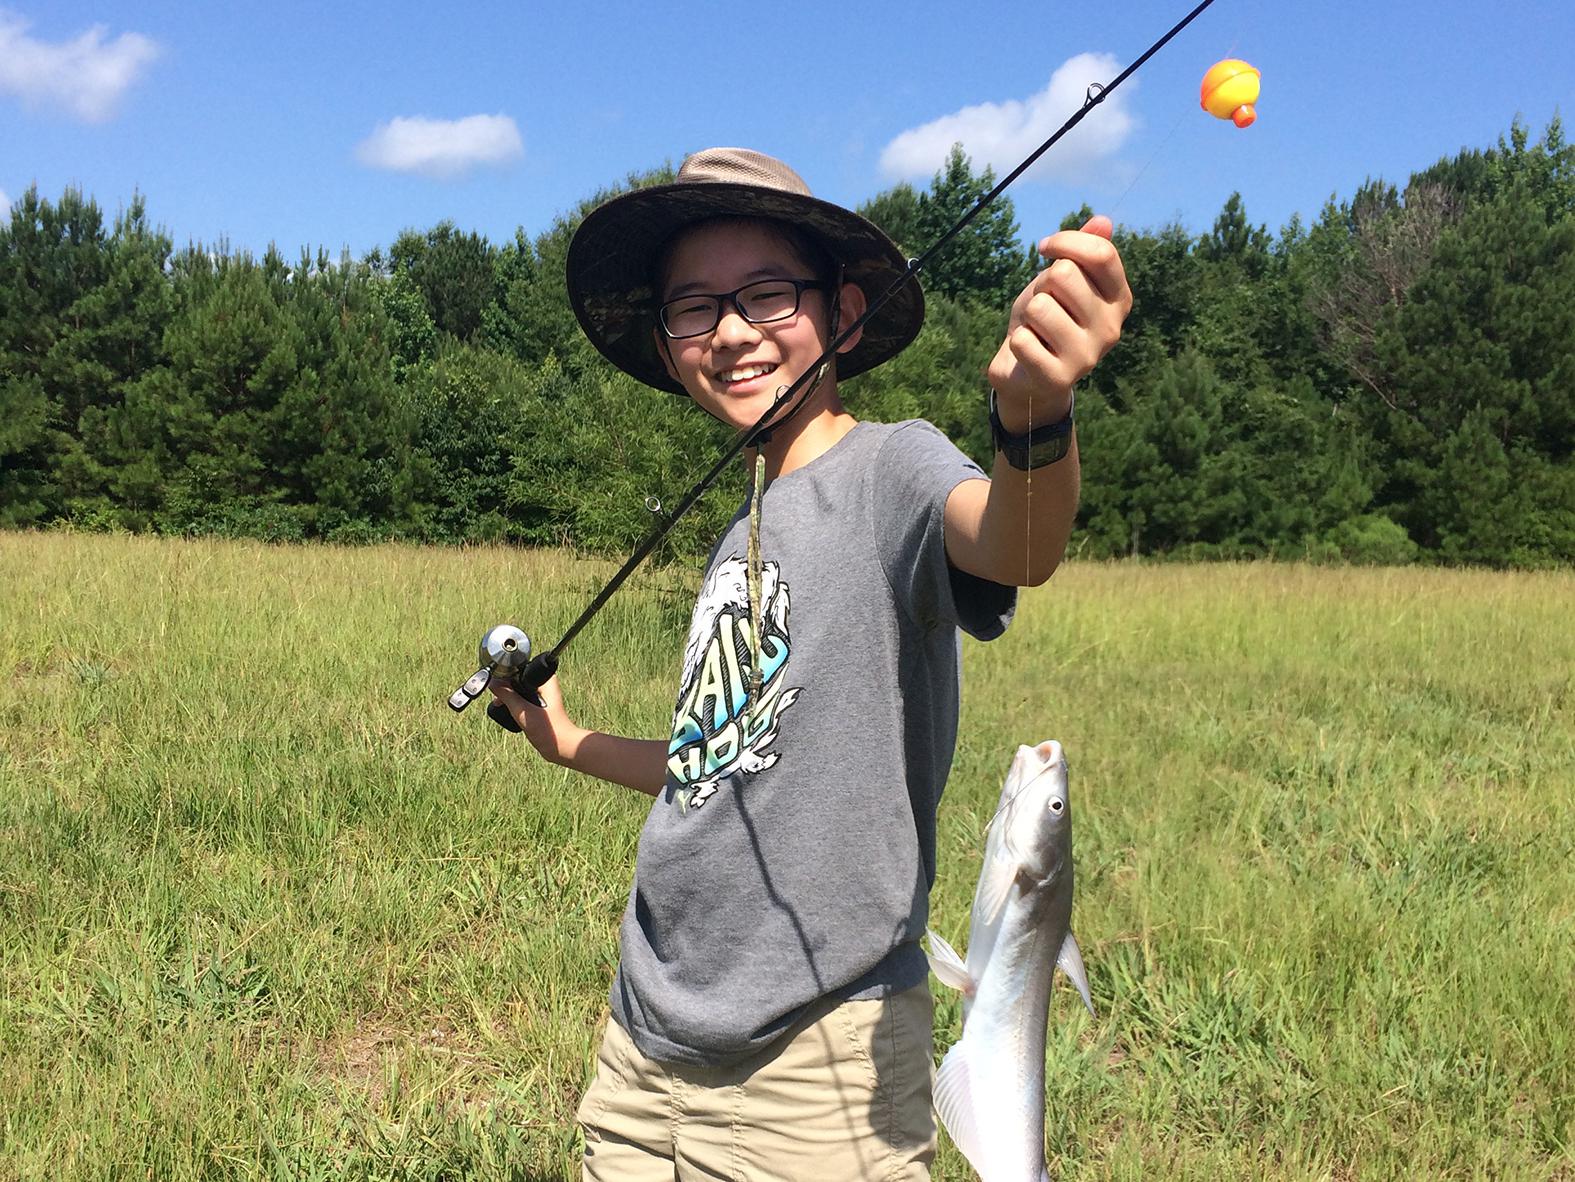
(613, 256)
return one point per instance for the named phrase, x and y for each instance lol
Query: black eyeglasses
(760, 302)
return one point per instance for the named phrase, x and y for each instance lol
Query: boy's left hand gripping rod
(505, 655)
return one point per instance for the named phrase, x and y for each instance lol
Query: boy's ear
(853, 305)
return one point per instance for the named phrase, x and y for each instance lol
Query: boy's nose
(731, 326)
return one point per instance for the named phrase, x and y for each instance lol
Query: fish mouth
(1050, 752)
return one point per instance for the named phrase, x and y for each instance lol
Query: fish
(990, 1088)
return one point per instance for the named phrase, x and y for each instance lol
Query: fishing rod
(505, 650)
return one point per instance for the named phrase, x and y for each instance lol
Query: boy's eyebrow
(758, 273)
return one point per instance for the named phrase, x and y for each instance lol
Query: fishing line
(544, 665)
(1154, 155)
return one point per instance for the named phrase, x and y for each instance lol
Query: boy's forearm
(1028, 518)
(1013, 528)
(640, 764)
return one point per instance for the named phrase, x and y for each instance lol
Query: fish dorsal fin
(954, 1104)
(1070, 962)
(947, 965)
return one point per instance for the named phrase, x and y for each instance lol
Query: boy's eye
(769, 299)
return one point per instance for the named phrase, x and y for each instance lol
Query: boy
(771, 1013)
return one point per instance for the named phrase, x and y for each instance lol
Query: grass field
(268, 909)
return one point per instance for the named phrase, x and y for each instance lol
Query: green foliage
(939, 377)
(1403, 364)
(82, 310)
(25, 446)
(984, 264)
(475, 411)
(453, 271)
(1450, 307)
(617, 449)
(1373, 540)
(896, 211)
(276, 405)
(413, 336)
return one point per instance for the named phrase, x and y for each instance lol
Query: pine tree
(984, 264)
(454, 273)
(896, 211)
(1485, 346)
(82, 312)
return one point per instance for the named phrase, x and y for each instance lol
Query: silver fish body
(990, 1089)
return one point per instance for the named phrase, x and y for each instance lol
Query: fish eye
(1055, 804)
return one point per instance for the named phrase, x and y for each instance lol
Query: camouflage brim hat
(614, 254)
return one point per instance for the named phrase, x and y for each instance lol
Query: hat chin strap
(763, 436)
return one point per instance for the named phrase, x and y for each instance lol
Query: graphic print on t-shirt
(717, 730)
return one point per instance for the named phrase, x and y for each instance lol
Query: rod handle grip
(525, 683)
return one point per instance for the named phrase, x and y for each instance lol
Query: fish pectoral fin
(1070, 962)
(954, 1104)
(995, 887)
(947, 965)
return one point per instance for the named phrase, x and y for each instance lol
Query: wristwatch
(1041, 446)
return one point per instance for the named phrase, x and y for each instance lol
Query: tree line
(1392, 382)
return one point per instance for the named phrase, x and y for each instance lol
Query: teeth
(744, 373)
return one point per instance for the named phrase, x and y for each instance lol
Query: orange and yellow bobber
(1229, 90)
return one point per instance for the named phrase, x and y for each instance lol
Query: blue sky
(339, 125)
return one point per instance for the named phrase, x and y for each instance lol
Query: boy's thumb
(1099, 224)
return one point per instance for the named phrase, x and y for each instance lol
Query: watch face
(1041, 446)
(1049, 450)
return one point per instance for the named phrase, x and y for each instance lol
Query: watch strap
(1043, 445)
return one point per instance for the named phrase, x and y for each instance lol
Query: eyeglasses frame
(724, 298)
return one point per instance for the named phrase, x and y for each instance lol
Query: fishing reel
(505, 655)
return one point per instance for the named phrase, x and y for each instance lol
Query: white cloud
(441, 148)
(1002, 134)
(87, 76)
(5, 200)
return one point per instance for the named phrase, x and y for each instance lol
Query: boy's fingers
(1066, 284)
(508, 695)
(1091, 249)
(516, 701)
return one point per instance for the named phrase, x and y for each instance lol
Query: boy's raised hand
(1065, 320)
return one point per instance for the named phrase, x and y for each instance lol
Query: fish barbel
(990, 1089)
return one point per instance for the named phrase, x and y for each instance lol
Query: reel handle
(525, 683)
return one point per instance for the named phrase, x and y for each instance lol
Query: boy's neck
(807, 436)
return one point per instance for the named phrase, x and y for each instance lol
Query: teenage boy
(771, 1016)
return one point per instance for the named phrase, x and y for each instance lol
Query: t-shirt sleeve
(916, 470)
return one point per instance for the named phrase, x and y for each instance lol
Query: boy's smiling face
(735, 370)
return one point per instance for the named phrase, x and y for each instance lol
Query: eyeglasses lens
(758, 303)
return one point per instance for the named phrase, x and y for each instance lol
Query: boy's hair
(805, 246)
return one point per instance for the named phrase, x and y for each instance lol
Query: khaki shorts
(845, 1097)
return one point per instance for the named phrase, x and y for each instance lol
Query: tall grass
(267, 909)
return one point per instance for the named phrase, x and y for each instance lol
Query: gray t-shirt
(791, 853)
